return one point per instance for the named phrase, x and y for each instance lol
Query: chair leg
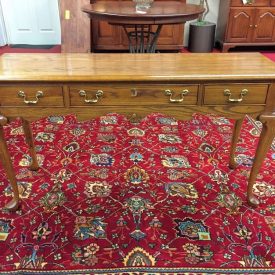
(29, 140)
(234, 141)
(7, 163)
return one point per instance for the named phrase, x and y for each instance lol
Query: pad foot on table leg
(34, 166)
(233, 164)
(12, 205)
(253, 201)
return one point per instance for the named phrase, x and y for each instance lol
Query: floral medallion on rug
(155, 197)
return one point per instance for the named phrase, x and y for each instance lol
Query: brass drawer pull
(98, 95)
(182, 94)
(227, 92)
(37, 96)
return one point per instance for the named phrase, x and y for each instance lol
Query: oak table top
(129, 67)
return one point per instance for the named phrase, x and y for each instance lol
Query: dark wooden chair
(7, 163)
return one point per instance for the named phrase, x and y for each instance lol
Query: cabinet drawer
(254, 3)
(34, 96)
(235, 94)
(133, 95)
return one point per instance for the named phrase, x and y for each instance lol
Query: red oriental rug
(156, 197)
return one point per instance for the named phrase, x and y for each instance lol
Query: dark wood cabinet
(244, 25)
(110, 37)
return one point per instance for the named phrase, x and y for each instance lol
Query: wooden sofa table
(89, 85)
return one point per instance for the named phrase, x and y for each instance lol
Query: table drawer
(133, 95)
(34, 96)
(235, 94)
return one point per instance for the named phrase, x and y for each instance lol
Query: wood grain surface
(135, 67)
(160, 12)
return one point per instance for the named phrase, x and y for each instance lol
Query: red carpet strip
(7, 49)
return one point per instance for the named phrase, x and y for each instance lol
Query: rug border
(156, 270)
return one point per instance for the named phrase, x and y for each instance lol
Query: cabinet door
(106, 36)
(240, 26)
(264, 25)
(171, 37)
(31, 21)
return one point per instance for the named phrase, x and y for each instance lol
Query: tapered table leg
(234, 141)
(266, 138)
(7, 163)
(29, 140)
